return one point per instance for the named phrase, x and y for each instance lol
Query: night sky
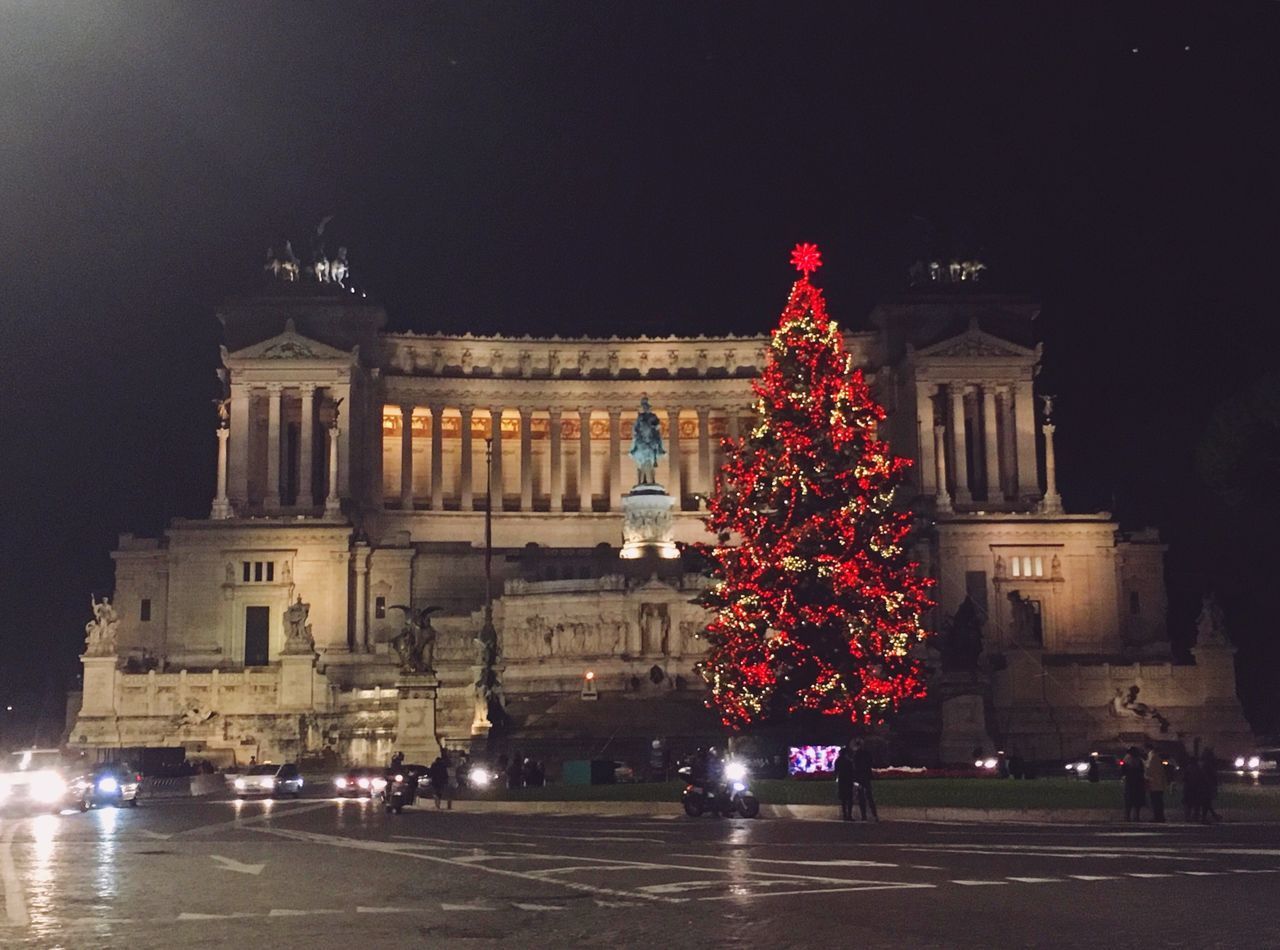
(629, 168)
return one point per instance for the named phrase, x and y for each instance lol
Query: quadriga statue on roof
(646, 444)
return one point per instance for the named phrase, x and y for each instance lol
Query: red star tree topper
(816, 606)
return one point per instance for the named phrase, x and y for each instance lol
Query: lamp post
(487, 642)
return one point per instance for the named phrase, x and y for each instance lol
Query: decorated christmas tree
(816, 605)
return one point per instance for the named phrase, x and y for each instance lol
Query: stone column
(991, 442)
(332, 505)
(306, 451)
(925, 426)
(584, 460)
(495, 423)
(557, 462)
(406, 457)
(437, 457)
(1024, 421)
(1051, 504)
(960, 475)
(271, 500)
(526, 458)
(360, 561)
(238, 460)
(942, 500)
(466, 491)
(734, 425)
(221, 506)
(615, 460)
(675, 489)
(704, 451)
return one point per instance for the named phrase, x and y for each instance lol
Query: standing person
(1192, 790)
(397, 762)
(1135, 785)
(844, 783)
(515, 771)
(1208, 785)
(1157, 782)
(439, 774)
(862, 775)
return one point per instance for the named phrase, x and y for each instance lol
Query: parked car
(269, 780)
(361, 782)
(113, 784)
(1261, 764)
(1108, 766)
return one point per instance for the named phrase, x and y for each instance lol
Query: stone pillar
(991, 442)
(271, 500)
(584, 460)
(360, 563)
(526, 458)
(416, 718)
(437, 457)
(406, 457)
(942, 500)
(221, 506)
(332, 504)
(1051, 504)
(734, 425)
(960, 472)
(925, 426)
(615, 460)
(238, 461)
(557, 461)
(466, 490)
(98, 695)
(704, 451)
(495, 423)
(675, 489)
(306, 451)
(1024, 417)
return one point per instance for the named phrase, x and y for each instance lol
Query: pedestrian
(1093, 773)
(1208, 786)
(1192, 790)
(439, 775)
(397, 761)
(862, 775)
(515, 771)
(1135, 785)
(845, 784)
(1157, 782)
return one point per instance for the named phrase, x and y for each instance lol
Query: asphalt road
(317, 873)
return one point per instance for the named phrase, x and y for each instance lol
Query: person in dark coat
(1192, 790)
(515, 771)
(1208, 786)
(1135, 784)
(862, 775)
(845, 785)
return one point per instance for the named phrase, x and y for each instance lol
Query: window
(1025, 565)
(1135, 602)
(258, 572)
(379, 608)
(144, 610)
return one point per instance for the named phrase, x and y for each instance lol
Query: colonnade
(977, 442)
(544, 459)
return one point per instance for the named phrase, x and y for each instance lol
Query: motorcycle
(725, 796)
(401, 789)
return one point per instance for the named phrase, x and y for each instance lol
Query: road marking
(740, 891)
(289, 912)
(1202, 873)
(158, 836)
(592, 838)
(15, 905)
(1148, 874)
(600, 903)
(384, 910)
(293, 809)
(536, 907)
(1037, 880)
(230, 864)
(979, 883)
(1093, 877)
(191, 915)
(833, 863)
(476, 905)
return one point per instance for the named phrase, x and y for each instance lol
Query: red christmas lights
(816, 606)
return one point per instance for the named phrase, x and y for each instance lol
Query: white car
(1259, 764)
(268, 780)
(34, 778)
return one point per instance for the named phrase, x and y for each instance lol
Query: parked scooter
(725, 795)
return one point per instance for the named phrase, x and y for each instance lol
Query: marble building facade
(352, 474)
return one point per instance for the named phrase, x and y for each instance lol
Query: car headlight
(739, 787)
(988, 763)
(47, 787)
(478, 777)
(269, 781)
(108, 785)
(1081, 767)
(362, 782)
(239, 783)
(340, 782)
(378, 783)
(1239, 762)
(735, 771)
(1254, 761)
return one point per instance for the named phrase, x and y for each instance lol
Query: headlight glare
(735, 771)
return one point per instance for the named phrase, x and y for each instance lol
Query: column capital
(274, 389)
(406, 409)
(614, 413)
(307, 389)
(437, 408)
(526, 411)
(466, 411)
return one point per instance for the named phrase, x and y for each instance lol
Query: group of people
(522, 772)
(853, 780)
(1147, 778)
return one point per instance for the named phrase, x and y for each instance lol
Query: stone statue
(1048, 407)
(1026, 619)
(283, 265)
(646, 444)
(1125, 703)
(488, 688)
(962, 639)
(101, 631)
(223, 407)
(415, 645)
(1211, 625)
(339, 268)
(297, 632)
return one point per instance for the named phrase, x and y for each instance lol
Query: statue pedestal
(296, 680)
(646, 523)
(964, 717)
(98, 697)
(416, 719)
